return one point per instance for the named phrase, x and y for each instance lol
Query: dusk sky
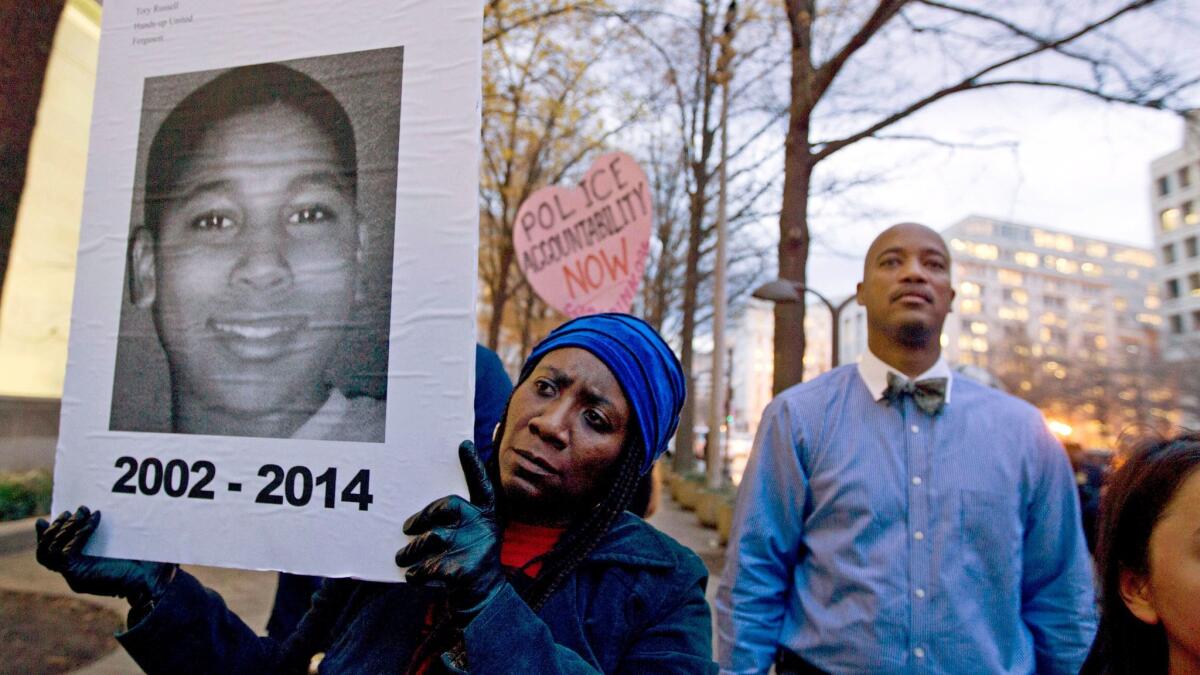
(1068, 163)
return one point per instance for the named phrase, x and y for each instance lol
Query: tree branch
(973, 82)
(825, 75)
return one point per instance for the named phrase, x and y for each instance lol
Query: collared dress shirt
(874, 538)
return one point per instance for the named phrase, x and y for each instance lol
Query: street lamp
(789, 292)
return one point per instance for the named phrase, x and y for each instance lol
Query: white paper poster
(272, 342)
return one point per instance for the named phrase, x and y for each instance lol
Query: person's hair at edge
(1134, 500)
(655, 392)
(233, 92)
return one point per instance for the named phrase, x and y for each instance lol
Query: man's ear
(858, 294)
(143, 280)
(950, 305)
(1135, 591)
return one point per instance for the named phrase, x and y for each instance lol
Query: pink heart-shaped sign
(584, 249)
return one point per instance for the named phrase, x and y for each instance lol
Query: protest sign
(584, 249)
(272, 344)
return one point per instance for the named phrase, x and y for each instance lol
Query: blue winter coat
(635, 605)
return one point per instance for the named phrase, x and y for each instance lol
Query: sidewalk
(683, 526)
(249, 594)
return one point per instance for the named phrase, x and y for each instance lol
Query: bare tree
(543, 119)
(684, 160)
(859, 69)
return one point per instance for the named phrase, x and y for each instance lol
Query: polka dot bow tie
(929, 395)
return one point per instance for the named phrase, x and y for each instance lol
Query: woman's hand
(60, 549)
(456, 543)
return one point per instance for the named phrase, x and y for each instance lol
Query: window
(1146, 318)
(1019, 314)
(1137, 257)
(1189, 247)
(1168, 254)
(1065, 266)
(1172, 289)
(1013, 232)
(1194, 283)
(1196, 320)
(979, 228)
(1190, 216)
(1185, 176)
(1054, 302)
(1168, 219)
(1026, 258)
(1164, 185)
(1097, 250)
(1176, 324)
(1016, 295)
(970, 289)
(1009, 277)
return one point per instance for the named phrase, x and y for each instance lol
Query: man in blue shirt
(893, 518)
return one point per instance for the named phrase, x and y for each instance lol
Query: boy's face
(255, 266)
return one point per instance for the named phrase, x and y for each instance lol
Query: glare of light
(1060, 429)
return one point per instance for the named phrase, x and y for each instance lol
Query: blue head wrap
(647, 370)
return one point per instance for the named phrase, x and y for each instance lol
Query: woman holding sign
(542, 571)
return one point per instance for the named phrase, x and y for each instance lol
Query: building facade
(1175, 200)
(1070, 323)
(753, 360)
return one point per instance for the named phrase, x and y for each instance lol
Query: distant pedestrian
(1148, 557)
(894, 518)
(1089, 481)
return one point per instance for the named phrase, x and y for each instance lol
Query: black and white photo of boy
(256, 259)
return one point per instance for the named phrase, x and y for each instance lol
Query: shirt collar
(873, 372)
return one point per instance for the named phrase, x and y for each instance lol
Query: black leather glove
(456, 543)
(60, 549)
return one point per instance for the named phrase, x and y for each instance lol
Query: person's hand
(456, 543)
(60, 549)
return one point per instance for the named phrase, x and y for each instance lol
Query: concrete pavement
(249, 593)
(683, 526)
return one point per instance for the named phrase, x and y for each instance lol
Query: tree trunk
(527, 317)
(790, 340)
(793, 217)
(500, 296)
(26, 36)
(685, 437)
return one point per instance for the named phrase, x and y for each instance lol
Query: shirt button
(914, 429)
(919, 653)
(920, 592)
(918, 535)
(916, 480)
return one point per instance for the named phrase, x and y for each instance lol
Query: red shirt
(522, 546)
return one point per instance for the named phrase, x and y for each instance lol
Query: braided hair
(315, 631)
(580, 539)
